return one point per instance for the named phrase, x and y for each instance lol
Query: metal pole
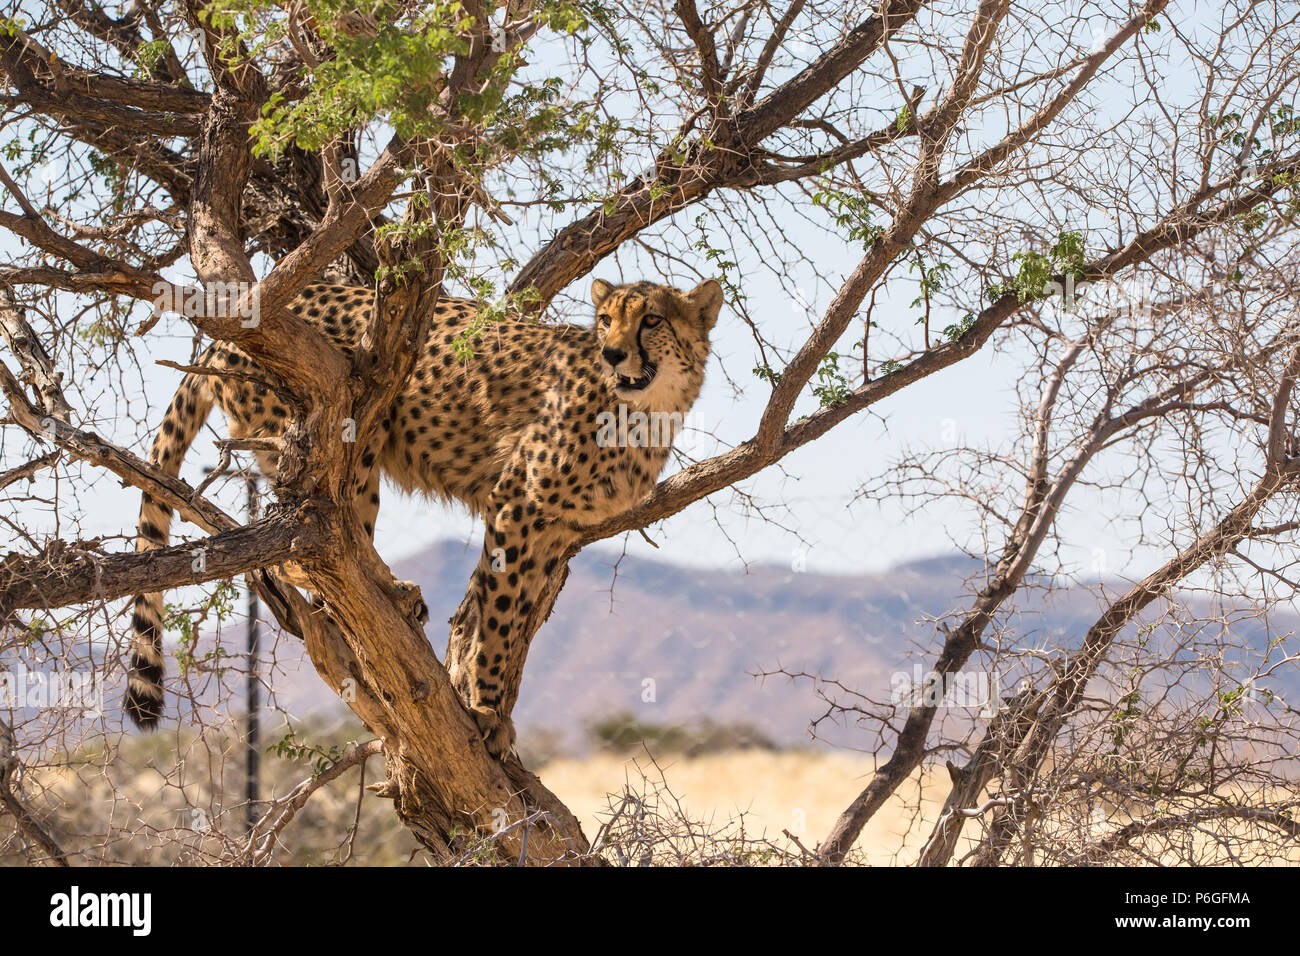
(252, 689)
(254, 730)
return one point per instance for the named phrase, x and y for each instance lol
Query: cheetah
(523, 432)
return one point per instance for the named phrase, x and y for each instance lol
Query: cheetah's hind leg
(368, 510)
(466, 664)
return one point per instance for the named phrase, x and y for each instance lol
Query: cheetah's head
(654, 340)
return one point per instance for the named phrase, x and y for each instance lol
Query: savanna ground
(700, 794)
(751, 791)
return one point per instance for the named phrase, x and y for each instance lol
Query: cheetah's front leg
(515, 583)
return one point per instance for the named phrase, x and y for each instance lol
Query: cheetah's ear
(707, 299)
(600, 290)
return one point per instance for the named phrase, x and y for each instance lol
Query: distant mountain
(670, 644)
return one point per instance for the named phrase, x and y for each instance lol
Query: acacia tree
(975, 157)
(1174, 721)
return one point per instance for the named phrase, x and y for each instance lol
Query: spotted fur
(513, 432)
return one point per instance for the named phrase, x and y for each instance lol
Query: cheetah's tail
(185, 416)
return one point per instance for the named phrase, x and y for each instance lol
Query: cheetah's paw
(409, 592)
(498, 732)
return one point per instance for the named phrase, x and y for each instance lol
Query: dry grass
(803, 792)
(797, 791)
(734, 807)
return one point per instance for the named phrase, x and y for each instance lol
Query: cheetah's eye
(603, 321)
(650, 321)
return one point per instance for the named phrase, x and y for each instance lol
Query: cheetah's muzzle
(638, 384)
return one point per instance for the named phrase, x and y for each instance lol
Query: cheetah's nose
(613, 356)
